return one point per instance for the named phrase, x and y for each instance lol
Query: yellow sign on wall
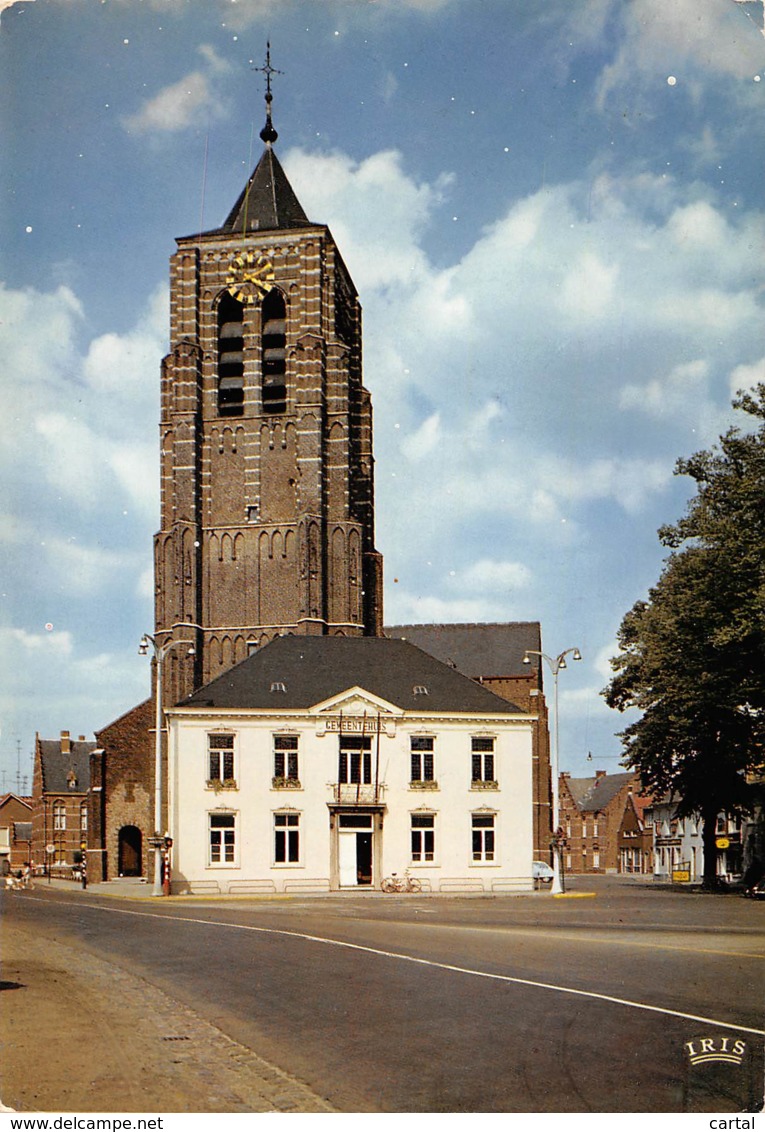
(722, 843)
(681, 876)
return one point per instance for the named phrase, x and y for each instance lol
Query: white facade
(345, 793)
(678, 848)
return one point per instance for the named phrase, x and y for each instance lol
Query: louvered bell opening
(273, 363)
(275, 327)
(231, 330)
(274, 397)
(231, 364)
(231, 396)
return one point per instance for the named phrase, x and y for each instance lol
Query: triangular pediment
(357, 702)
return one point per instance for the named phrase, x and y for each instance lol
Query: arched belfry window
(230, 357)
(274, 353)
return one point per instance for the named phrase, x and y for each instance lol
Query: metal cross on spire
(268, 133)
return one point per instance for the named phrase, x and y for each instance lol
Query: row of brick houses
(603, 822)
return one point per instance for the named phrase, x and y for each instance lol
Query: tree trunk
(708, 838)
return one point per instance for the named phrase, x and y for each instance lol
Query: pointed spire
(268, 200)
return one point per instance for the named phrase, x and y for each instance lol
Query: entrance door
(355, 857)
(129, 852)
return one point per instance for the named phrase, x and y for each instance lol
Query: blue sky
(554, 216)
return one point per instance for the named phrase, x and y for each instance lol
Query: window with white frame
(59, 815)
(286, 760)
(84, 817)
(482, 749)
(355, 759)
(422, 766)
(287, 838)
(483, 837)
(220, 762)
(423, 838)
(222, 839)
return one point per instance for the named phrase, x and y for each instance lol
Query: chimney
(80, 738)
(66, 743)
(600, 774)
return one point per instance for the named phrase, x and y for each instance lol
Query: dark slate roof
(267, 202)
(594, 794)
(56, 766)
(313, 669)
(477, 650)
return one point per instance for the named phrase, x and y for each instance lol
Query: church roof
(266, 203)
(492, 649)
(297, 672)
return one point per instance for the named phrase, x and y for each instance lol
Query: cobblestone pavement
(97, 1039)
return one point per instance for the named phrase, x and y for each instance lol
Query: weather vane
(268, 133)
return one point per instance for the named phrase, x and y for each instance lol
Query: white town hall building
(326, 763)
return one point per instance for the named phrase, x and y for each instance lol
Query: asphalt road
(414, 1004)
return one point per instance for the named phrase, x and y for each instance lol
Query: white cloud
(48, 643)
(588, 289)
(409, 609)
(679, 391)
(191, 99)
(488, 574)
(746, 376)
(661, 39)
(419, 444)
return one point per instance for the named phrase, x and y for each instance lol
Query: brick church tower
(267, 489)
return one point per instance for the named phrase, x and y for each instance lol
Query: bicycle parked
(395, 883)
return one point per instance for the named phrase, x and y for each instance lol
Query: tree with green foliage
(692, 657)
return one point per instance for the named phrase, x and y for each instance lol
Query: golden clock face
(250, 277)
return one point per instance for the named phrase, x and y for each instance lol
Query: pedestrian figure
(26, 878)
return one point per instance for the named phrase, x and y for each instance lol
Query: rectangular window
(222, 839)
(286, 839)
(221, 758)
(84, 817)
(483, 760)
(483, 837)
(355, 762)
(422, 758)
(423, 837)
(59, 815)
(286, 757)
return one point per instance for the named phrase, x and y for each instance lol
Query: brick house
(591, 812)
(15, 829)
(635, 837)
(60, 790)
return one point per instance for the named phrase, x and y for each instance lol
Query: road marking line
(423, 962)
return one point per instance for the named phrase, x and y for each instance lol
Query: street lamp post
(556, 664)
(160, 652)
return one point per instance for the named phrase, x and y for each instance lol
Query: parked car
(541, 871)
